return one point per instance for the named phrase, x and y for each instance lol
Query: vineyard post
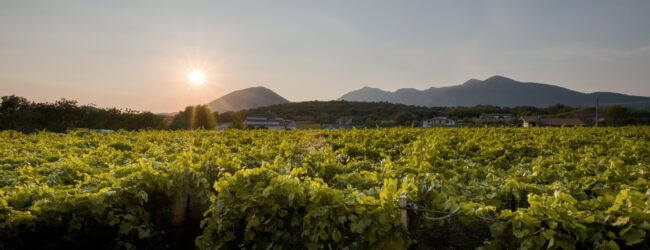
(180, 212)
(596, 123)
(404, 215)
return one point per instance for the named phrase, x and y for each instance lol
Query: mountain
(246, 99)
(497, 91)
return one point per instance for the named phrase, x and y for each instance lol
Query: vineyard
(490, 188)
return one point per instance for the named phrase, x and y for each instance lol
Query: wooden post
(596, 123)
(404, 216)
(180, 212)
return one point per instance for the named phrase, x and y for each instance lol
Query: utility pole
(596, 122)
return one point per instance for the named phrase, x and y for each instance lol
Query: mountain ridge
(247, 98)
(496, 90)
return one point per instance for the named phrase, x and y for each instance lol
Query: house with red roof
(540, 121)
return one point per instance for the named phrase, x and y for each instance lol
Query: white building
(272, 123)
(438, 121)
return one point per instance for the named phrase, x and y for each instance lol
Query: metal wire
(437, 218)
(447, 214)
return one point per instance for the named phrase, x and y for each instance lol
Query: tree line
(371, 114)
(17, 113)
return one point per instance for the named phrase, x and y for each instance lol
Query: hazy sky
(136, 54)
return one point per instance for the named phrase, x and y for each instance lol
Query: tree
(237, 124)
(371, 120)
(616, 115)
(526, 111)
(402, 118)
(13, 103)
(194, 117)
(558, 109)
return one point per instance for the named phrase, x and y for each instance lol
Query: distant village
(348, 122)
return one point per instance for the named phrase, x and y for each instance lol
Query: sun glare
(196, 77)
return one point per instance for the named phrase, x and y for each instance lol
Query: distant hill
(246, 99)
(497, 91)
(370, 114)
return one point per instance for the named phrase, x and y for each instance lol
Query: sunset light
(196, 77)
(325, 124)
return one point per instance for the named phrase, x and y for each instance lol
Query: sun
(196, 77)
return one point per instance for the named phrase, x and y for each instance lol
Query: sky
(137, 54)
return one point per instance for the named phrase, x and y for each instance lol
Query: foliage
(371, 114)
(17, 113)
(230, 116)
(569, 188)
(616, 115)
(194, 117)
(558, 109)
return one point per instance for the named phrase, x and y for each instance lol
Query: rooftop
(549, 121)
